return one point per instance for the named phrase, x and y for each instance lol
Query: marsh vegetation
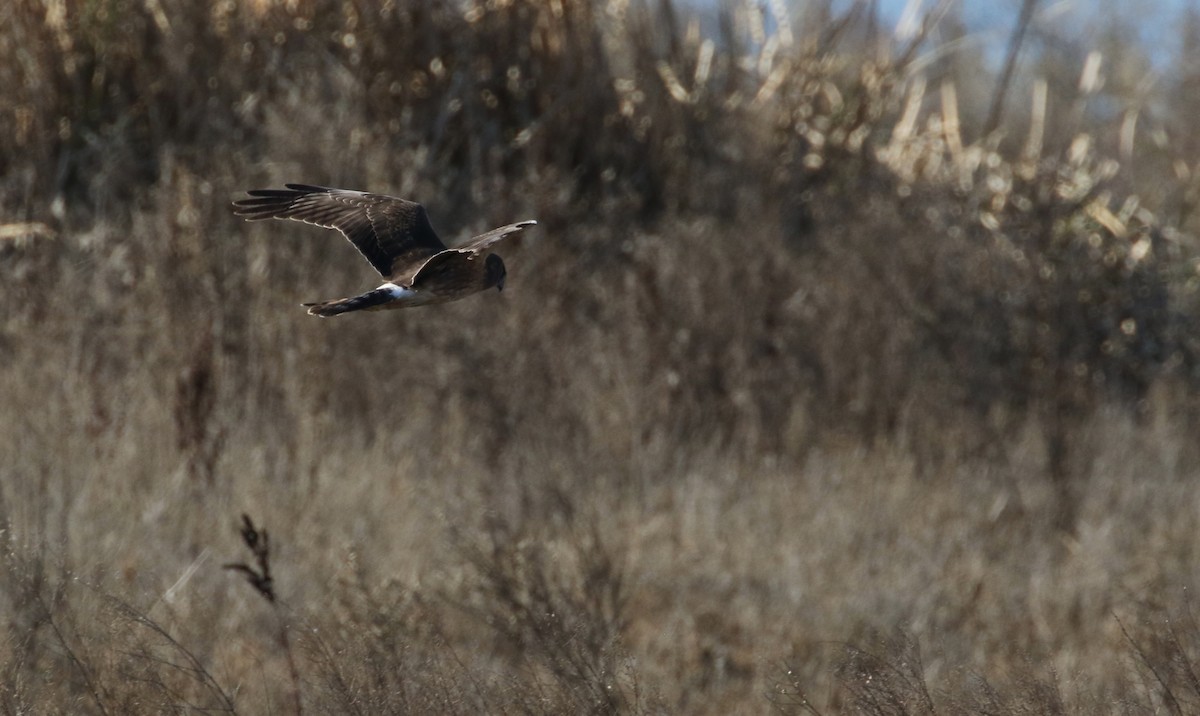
(835, 378)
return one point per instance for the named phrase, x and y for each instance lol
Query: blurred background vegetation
(852, 367)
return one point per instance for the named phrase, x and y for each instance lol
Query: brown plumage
(396, 238)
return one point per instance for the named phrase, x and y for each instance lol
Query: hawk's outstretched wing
(393, 234)
(483, 241)
(443, 262)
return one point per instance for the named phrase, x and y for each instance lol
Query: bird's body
(395, 236)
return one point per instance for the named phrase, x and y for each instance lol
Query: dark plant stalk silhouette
(1010, 63)
(259, 577)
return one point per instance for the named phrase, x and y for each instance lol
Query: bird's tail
(361, 302)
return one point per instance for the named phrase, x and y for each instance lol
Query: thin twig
(259, 577)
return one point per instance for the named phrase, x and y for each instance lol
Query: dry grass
(801, 398)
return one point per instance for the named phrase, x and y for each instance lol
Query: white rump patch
(397, 292)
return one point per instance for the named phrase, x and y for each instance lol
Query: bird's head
(495, 271)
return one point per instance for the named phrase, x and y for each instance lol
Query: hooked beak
(500, 285)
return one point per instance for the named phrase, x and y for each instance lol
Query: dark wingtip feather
(259, 207)
(267, 203)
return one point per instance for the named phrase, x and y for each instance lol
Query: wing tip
(257, 207)
(289, 191)
(261, 204)
(519, 226)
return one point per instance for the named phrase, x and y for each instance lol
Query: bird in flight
(396, 238)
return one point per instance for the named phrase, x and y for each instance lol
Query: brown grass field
(816, 390)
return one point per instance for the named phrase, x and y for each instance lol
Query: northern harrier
(397, 239)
